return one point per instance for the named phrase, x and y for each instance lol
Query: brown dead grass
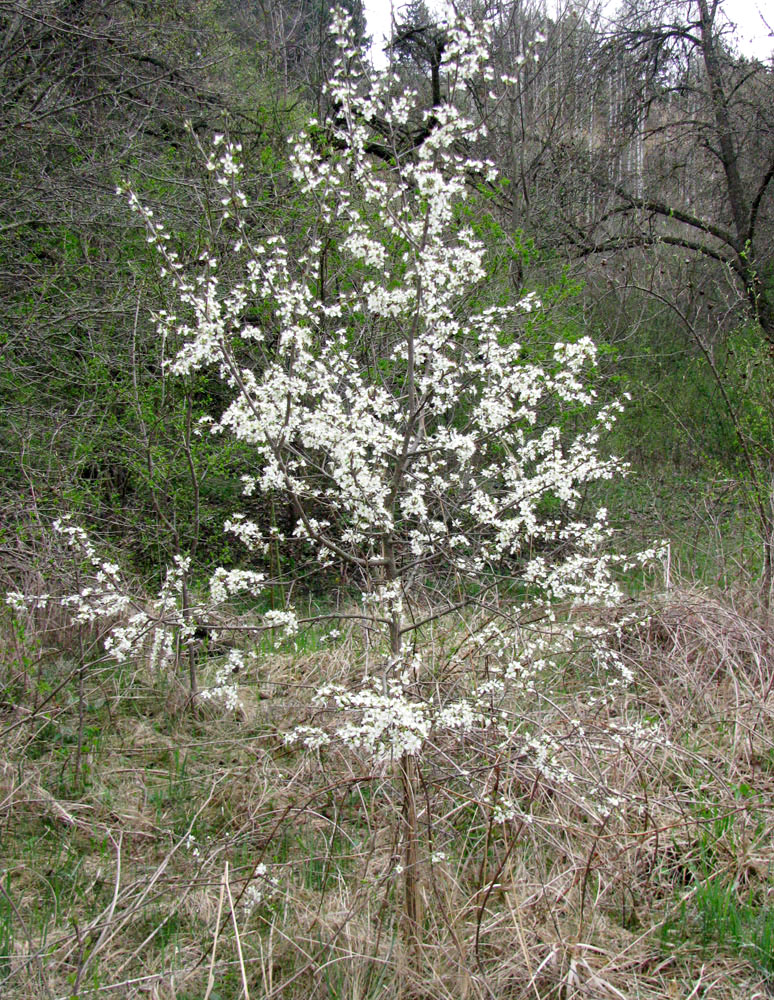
(106, 893)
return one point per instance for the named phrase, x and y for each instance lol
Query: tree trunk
(412, 904)
(406, 776)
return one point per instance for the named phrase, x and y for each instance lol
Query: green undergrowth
(728, 905)
(713, 534)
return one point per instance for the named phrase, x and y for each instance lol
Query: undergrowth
(192, 853)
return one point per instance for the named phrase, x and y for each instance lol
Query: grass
(729, 906)
(197, 854)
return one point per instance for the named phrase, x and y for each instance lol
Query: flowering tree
(389, 395)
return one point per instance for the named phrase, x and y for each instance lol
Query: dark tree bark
(711, 112)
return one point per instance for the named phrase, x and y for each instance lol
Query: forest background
(635, 200)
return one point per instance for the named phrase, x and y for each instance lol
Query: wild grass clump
(197, 853)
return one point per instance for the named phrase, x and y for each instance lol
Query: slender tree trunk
(766, 578)
(186, 610)
(412, 911)
(406, 776)
(725, 133)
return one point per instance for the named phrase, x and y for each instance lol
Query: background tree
(94, 94)
(290, 40)
(88, 90)
(615, 130)
(709, 148)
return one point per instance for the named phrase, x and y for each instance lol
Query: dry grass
(638, 865)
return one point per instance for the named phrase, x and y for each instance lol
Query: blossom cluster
(155, 628)
(101, 595)
(381, 720)
(262, 887)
